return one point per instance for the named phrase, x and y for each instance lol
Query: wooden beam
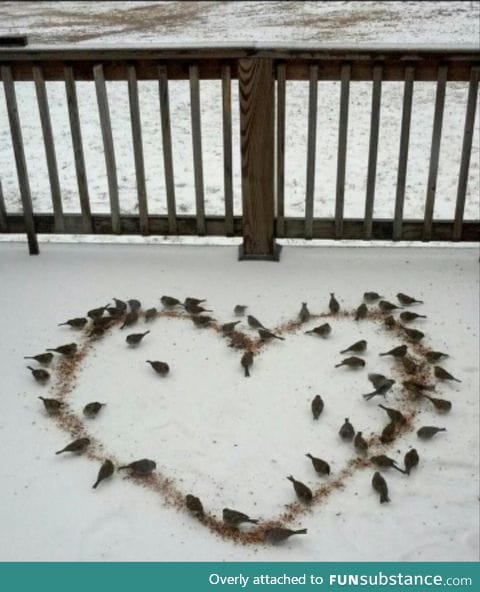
(311, 150)
(227, 148)
(281, 98)
(197, 147)
(167, 147)
(342, 149)
(373, 149)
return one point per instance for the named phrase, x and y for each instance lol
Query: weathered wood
(403, 155)
(20, 161)
(466, 153)
(167, 147)
(3, 211)
(256, 93)
(76, 133)
(44, 111)
(342, 149)
(15, 40)
(281, 97)
(197, 147)
(373, 149)
(311, 150)
(435, 152)
(108, 149)
(227, 148)
(138, 148)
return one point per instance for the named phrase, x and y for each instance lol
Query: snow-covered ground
(347, 23)
(232, 440)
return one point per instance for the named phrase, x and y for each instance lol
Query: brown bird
(234, 518)
(386, 306)
(39, 374)
(389, 322)
(43, 359)
(254, 323)
(388, 433)
(408, 316)
(304, 314)
(397, 352)
(380, 486)
(357, 347)
(441, 405)
(115, 313)
(76, 323)
(417, 388)
(317, 406)
(361, 312)
(333, 305)
(51, 405)
(68, 350)
(201, 321)
(170, 302)
(361, 445)
(347, 431)
(277, 535)
(303, 492)
(413, 334)
(247, 362)
(322, 330)
(409, 365)
(94, 313)
(382, 389)
(266, 335)
(407, 300)
(394, 415)
(195, 309)
(428, 432)
(135, 338)
(377, 379)
(134, 304)
(194, 505)
(229, 328)
(161, 368)
(321, 466)
(103, 322)
(130, 319)
(92, 409)
(77, 446)
(195, 301)
(435, 356)
(385, 462)
(120, 304)
(371, 296)
(411, 460)
(352, 362)
(150, 314)
(442, 374)
(106, 470)
(240, 309)
(141, 467)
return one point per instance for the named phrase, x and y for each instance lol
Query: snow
(230, 440)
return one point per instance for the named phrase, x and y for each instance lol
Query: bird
(389, 322)
(361, 445)
(406, 316)
(77, 446)
(279, 535)
(190, 300)
(201, 321)
(43, 359)
(322, 330)
(135, 338)
(303, 492)
(115, 313)
(351, 362)
(320, 466)
(266, 335)
(386, 306)
(333, 305)
(170, 302)
(407, 300)
(234, 518)
(94, 313)
(417, 388)
(361, 312)
(435, 356)
(134, 304)
(106, 470)
(141, 467)
(195, 309)
(396, 352)
(394, 415)
(382, 389)
(130, 319)
(39, 374)
(229, 328)
(194, 505)
(347, 431)
(388, 433)
(92, 409)
(385, 462)
(411, 460)
(377, 379)
(413, 334)
(317, 406)
(161, 368)
(247, 362)
(120, 304)
(240, 309)
(371, 296)
(442, 374)
(68, 350)
(76, 323)
(357, 347)
(254, 323)
(150, 314)
(428, 432)
(304, 314)
(409, 365)
(103, 322)
(441, 405)
(51, 405)
(380, 486)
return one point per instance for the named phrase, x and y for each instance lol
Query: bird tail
(253, 521)
(400, 470)
(247, 373)
(61, 324)
(28, 358)
(301, 531)
(344, 351)
(457, 380)
(60, 451)
(385, 354)
(278, 337)
(384, 497)
(338, 365)
(50, 349)
(290, 478)
(124, 467)
(94, 486)
(369, 396)
(407, 471)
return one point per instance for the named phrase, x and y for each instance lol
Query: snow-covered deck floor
(231, 440)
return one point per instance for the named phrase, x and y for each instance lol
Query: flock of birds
(98, 320)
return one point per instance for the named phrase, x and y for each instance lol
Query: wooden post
(256, 90)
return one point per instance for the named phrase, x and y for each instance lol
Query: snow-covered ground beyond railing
(232, 440)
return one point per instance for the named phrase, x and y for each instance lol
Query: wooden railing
(262, 139)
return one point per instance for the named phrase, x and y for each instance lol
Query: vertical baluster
(167, 148)
(373, 149)
(311, 150)
(342, 149)
(3, 211)
(227, 148)
(197, 147)
(281, 96)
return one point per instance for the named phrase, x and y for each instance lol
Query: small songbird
(115, 313)
(134, 304)
(321, 466)
(247, 362)
(43, 359)
(196, 301)
(234, 518)
(389, 322)
(361, 445)
(384, 462)
(317, 406)
(240, 309)
(266, 335)
(130, 319)
(39, 374)
(442, 374)
(161, 368)
(381, 390)
(386, 306)
(106, 470)
(77, 446)
(435, 356)
(322, 330)
(380, 486)
(413, 334)
(333, 305)
(120, 304)
(394, 415)
(170, 302)
(411, 460)
(195, 309)
(428, 432)
(95, 313)
(441, 405)
(277, 535)
(409, 365)
(358, 347)
(76, 323)
(361, 312)
(371, 296)
(194, 505)
(141, 467)
(103, 322)
(150, 314)
(202, 321)
(407, 300)
(352, 362)
(254, 323)
(51, 405)
(407, 316)
(377, 379)
(304, 314)
(347, 431)
(303, 492)
(397, 352)
(417, 388)
(68, 350)
(388, 433)
(135, 338)
(92, 409)
(229, 328)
